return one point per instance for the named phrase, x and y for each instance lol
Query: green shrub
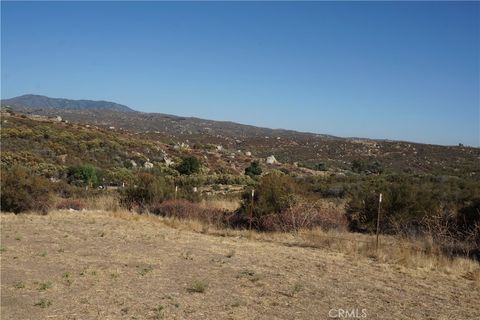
(23, 191)
(274, 193)
(253, 170)
(147, 191)
(188, 166)
(320, 166)
(85, 174)
(467, 221)
(282, 204)
(405, 205)
(358, 166)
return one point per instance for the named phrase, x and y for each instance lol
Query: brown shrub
(146, 193)
(303, 215)
(186, 210)
(23, 191)
(309, 216)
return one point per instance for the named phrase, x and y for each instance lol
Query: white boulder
(271, 160)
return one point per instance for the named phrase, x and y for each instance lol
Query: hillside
(121, 266)
(93, 135)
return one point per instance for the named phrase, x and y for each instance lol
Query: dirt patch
(90, 265)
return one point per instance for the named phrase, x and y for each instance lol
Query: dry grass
(120, 265)
(105, 202)
(392, 250)
(222, 204)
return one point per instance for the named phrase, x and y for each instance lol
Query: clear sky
(406, 71)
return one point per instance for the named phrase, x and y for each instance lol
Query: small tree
(321, 166)
(358, 166)
(375, 167)
(188, 166)
(86, 174)
(254, 169)
(147, 192)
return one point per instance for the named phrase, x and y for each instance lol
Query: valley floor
(94, 265)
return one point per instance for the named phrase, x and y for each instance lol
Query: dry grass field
(101, 265)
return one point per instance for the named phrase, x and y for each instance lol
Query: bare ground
(97, 266)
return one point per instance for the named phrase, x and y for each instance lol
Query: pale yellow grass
(120, 265)
(404, 253)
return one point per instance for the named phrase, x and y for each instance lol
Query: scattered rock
(148, 165)
(271, 160)
(62, 158)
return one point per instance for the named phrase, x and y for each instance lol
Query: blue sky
(406, 71)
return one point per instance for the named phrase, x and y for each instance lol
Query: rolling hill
(286, 145)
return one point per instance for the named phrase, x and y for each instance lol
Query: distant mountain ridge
(105, 113)
(38, 101)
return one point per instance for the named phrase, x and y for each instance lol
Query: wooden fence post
(251, 211)
(378, 219)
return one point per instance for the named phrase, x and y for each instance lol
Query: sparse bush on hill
(305, 215)
(436, 208)
(314, 166)
(189, 165)
(84, 174)
(147, 191)
(404, 206)
(360, 166)
(254, 169)
(184, 209)
(23, 191)
(320, 167)
(282, 204)
(274, 193)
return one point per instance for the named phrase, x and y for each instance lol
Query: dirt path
(94, 266)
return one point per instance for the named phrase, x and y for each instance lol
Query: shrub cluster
(82, 175)
(147, 191)
(282, 204)
(444, 209)
(184, 209)
(188, 166)
(253, 170)
(23, 191)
